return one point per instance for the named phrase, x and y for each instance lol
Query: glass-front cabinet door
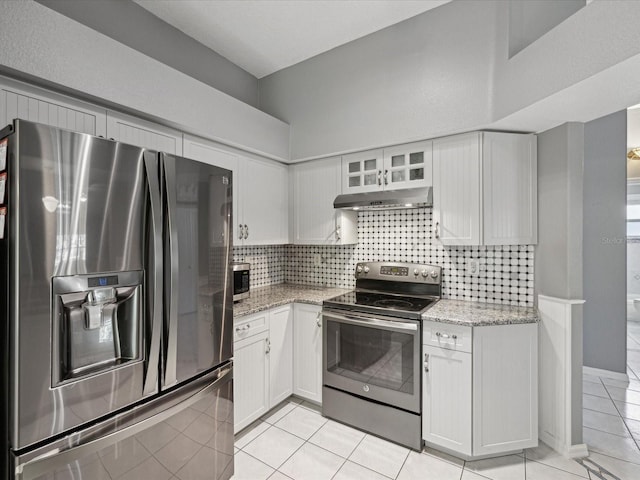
(362, 172)
(408, 165)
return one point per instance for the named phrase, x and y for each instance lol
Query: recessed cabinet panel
(509, 189)
(408, 166)
(307, 352)
(456, 193)
(36, 105)
(314, 221)
(251, 380)
(280, 354)
(362, 172)
(141, 133)
(446, 384)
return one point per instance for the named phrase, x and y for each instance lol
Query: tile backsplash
(505, 272)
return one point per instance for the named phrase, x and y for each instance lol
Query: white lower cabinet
(307, 352)
(280, 355)
(251, 380)
(480, 399)
(446, 409)
(262, 363)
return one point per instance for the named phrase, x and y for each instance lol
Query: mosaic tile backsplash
(505, 274)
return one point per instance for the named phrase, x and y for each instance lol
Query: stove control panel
(399, 272)
(394, 270)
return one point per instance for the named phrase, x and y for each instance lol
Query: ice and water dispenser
(97, 324)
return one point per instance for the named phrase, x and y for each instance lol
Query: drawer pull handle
(318, 322)
(426, 362)
(244, 328)
(446, 335)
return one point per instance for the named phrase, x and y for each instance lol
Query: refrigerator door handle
(33, 465)
(155, 289)
(171, 351)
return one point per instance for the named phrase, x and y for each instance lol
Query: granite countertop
(475, 314)
(264, 298)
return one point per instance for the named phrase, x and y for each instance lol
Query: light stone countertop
(476, 314)
(264, 298)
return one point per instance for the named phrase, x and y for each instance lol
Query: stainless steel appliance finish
(371, 349)
(116, 286)
(241, 280)
(386, 200)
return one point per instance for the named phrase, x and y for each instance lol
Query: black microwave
(241, 274)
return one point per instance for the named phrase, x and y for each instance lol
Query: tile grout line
(621, 417)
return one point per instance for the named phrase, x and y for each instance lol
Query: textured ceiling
(264, 36)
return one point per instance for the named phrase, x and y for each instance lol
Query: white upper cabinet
(509, 185)
(401, 166)
(362, 172)
(41, 106)
(314, 221)
(407, 166)
(134, 131)
(263, 209)
(484, 189)
(456, 189)
(260, 192)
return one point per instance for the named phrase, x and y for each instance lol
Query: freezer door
(185, 434)
(78, 209)
(198, 295)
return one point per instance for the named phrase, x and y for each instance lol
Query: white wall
(448, 70)
(129, 23)
(55, 51)
(421, 78)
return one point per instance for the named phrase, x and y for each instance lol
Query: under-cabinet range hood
(386, 200)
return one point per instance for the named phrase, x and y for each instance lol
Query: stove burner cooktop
(379, 302)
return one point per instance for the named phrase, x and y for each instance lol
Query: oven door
(373, 356)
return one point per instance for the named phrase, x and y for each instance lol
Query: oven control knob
(365, 388)
(359, 269)
(425, 274)
(434, 274)
(366, 269)
(416, 272)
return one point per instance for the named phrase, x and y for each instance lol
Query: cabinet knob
(437, 232)
(246, 231)
(318, 322)
(240, 232)
(268, 342)
(426, 362)
(337, 232)
(379, 177)
(386, 179)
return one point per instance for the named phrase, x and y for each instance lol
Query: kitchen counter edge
(265, 298)
(476, 314)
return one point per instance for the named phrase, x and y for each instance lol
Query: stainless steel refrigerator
(117, 310)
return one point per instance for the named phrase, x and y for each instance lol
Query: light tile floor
(296, 442)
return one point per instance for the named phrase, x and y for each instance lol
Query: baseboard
(597, 372)
(577, 451)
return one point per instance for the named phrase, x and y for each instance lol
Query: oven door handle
(392, 325)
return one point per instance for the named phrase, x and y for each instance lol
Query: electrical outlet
(317, 260)
(473, 266)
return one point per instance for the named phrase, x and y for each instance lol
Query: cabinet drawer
(445, 335)
(244, 327)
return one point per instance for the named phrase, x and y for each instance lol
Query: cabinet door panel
(362, 172)
(51, 111)
(314, 186)
(280, 355)
(307, 352)
(457, 202)
(505, 388)
(510, 189)
(407, 166)
(251, 380)
(264, 202)
(134, 131)
(446, 388)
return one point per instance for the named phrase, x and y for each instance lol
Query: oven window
(371, 355)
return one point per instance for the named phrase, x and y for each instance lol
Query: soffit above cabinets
(264, 36)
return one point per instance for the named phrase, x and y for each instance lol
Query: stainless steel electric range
(371, 349)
